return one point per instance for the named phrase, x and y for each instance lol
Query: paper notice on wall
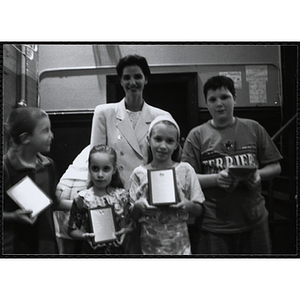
(257, 92)
(259, 72)
(235, 76)
(257, 77)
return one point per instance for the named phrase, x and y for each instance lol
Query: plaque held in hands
(162, 187)
(29, 196)
(103, 225)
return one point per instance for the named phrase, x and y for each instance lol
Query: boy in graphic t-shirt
(235, 219)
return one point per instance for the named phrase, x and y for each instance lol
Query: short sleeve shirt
(165, 230)
(210, 150)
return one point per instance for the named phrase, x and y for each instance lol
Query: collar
(223, 127)
(145, 112)
(14, 160)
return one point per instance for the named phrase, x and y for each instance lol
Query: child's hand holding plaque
(247, 174)
(103, 225)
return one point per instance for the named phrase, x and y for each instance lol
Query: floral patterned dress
(86, 199)
(165, 230)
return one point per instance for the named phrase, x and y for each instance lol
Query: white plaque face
(103, 225)
(29, 196)
(162, 187)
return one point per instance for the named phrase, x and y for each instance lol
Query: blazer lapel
(125, 127)
(143, 122)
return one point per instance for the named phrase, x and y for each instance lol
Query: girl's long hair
(116, 181)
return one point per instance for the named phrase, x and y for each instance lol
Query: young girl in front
(164, 229)
(29, 132)
(105, 189)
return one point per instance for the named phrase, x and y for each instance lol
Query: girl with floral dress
(105, 189)
(164, 229)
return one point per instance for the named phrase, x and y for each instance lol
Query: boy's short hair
(133, 60)
(217, 82)
(23, 119)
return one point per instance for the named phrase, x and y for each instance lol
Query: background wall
(85, 89)
(61, 56)
(74, 80)
(20, 75)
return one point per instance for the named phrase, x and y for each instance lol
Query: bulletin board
(255, 84)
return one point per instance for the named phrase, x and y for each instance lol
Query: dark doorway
(176, 93)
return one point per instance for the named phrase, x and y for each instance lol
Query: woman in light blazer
(123, 125)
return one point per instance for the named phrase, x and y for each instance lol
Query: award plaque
(103, 224)
(29, 196)
(241, 172)
(162, 187)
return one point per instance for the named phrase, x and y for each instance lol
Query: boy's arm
(19, 215)
(222, 179)
(269, 171)
(265, 173)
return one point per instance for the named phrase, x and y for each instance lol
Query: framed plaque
(241, 172)
(162, 187)
(103, 224)
(29, 196)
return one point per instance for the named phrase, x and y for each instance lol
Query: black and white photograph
(88, 122)
(90, 108)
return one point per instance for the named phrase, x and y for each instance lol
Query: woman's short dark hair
(133, 60)
(217, 82)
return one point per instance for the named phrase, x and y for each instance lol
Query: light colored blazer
(111, 126)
